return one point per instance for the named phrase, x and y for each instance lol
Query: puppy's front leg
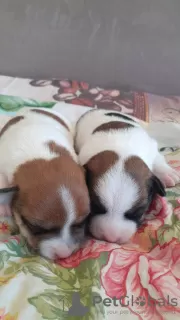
(167, 175)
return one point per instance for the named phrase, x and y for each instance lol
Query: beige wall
(110, 42)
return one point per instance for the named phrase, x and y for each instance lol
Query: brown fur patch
(53, 116)
(112, 125)
(10, 123)
(39, 180)
(95, 168)
(140, 172)
(101, 162)
(55, 148)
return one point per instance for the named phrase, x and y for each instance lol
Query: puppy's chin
(56, 248)
(51, 247)
(104, 227)
(61, 247)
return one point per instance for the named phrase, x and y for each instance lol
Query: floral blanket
(140, 280)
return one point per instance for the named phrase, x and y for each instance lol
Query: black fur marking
(156, 187)
(96, 206)
(136, 213)
(118, 115)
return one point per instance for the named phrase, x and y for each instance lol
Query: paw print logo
(140, 301)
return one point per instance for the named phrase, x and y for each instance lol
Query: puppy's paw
(168, 176)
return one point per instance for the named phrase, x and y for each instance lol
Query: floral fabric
(74, 92)
(140, 280)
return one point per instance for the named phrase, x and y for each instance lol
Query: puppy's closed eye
(38, 230)
(79, 229)
(79, 225)
(136, 214)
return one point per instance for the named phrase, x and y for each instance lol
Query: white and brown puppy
(124, 172)
(52, 201)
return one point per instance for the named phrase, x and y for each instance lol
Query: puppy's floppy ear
(87, 174)
(101, 162)
(157, 186)
(7, 190)
(92, 168)
(96, 206)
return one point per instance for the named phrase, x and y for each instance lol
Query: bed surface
(140, 280)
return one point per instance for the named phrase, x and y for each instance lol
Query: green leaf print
(88, 272)
(88, 277)
(19, 249)
(45, 104)
(174, 153)
(53, 274)
(169, 231)
(12, 103)
(85, 279)
(102, 260)
(172, 195)
(4, 257)
(95, 312)
(165, 234)
(177, 229)
(50, 305)
(174, 219)
(12, 268)
(153, 241)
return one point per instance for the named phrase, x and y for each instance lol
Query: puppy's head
(121, 192)
(51, 205)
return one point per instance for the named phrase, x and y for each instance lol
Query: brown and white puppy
(52, 201)
(124, 172)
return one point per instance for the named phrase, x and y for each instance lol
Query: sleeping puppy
(124, 172)
(51, 200)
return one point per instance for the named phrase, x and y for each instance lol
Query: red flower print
(71, 89)
(82, 102)
(175, 164)
(64, 84)
(146, 235)
(84, 85)
(158, 210)
(13, 238)
(4, 227)
(154, 276)
(92, 250)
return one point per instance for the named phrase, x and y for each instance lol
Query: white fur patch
(61, 246)
(134, 141)
(118, 190)
(90, 121)
(68, 203)
(112, 229)
(118, 193)
(56, 248)
(27, 140)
